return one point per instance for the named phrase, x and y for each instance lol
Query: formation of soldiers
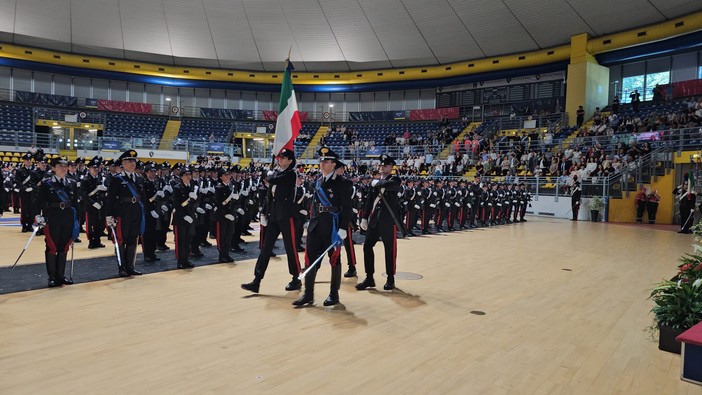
(131, 202)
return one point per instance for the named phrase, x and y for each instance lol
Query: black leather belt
(324, 209)
(61, 205)
(132, 199)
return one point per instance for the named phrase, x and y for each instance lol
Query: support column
(588, 82)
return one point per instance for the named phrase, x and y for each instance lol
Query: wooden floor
(545, 329)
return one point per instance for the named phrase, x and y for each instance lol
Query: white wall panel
(22, 80)
(62, 86)
(82, 87)
(100, 89)
(42, 82)
(118, 90)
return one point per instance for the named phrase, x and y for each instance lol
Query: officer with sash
(152, 207)
(331, 212)
(25, 182)
(124, 212)
(225, 214)
(93, 189)
(380, 222)
(59, 217)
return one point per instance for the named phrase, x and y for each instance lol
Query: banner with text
(434, 114)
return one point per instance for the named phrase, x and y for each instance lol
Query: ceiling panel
(353, 32)
(273, 35)
(676, 8)
(493, 26)
(606, 16)
(311, 31)
(44, 19)
(548, 16)
(103, 31)
(232, 34)
(443, 30)
(396, 31)
(7, 16)
(144, 27)
(188, 29)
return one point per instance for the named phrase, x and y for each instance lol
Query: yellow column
(588, 82)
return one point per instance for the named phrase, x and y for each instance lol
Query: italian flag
(288, 125)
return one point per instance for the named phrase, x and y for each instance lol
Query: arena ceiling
(325, 35)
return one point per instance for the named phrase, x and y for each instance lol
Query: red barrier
(685, 88)
(434, 114)
(273, 115)
(123, 106)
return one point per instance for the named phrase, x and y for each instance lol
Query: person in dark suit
(57, 202)
(185, 203)
(277, 219)
(225, 211)
(152, 198)
(379, 224)
(93, 189)
(25, 182)
(125, 211)
(331, 212)
(575, 200)
(686, 200)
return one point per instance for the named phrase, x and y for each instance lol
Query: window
(644, 84)
(654, 79)
(699, 73)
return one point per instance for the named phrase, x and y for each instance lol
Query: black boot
(294, 285)
(333, 297)
(252, 286)
(390, 284)
(61, 269)
(123, 266)
(131, 259)
(351, 272)
(308, 296)
(51, 269)
(369, 282)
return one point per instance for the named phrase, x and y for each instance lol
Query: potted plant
(678, 302)
(595, 205)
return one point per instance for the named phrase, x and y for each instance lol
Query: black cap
(95, 162)
(325, 153)
(176, 166)
(128, 155)
(27, 156)
(222, 171)
(59, 160)
(150, 167)
(387, 160)
(80, 159)
(339, 164)
(185, 170)
(286, 153)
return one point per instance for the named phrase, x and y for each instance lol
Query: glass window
(699, 72)
(630, 84)
(654, 79)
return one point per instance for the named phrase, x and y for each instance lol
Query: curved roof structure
(322, 35)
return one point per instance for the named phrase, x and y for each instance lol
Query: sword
(114, 240)
(399, 224)
(303, 274)
(34, 233)
(72, 246)
(683, 227)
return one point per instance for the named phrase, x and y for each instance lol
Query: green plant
(678, 303)
(596, 204)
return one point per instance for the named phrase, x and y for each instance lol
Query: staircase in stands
(449, 147)
(311, 149)
(169, 134)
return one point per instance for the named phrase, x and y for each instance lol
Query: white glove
(270, 173)
(447, 204)
(200, 210)
(208, 206)
(211, 189)
(160, 194)
(101, 188)
(168, 188)
(303, 212)
(164, 208)
(341, 233)
(457, 204)
(432, 205)
(264, 220)
(154, 214)
(355, 210)
(374, 183)
(188, 219)
(470, 205)
(416, 206)
(193, 195)
(16, 190)
(240, 211)
(97, 205)
(235, 196)
(245, 192)
(229, 217)
(39, 220)
(110, 221)
(30, 189)
(358, 195)
(364, 224)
